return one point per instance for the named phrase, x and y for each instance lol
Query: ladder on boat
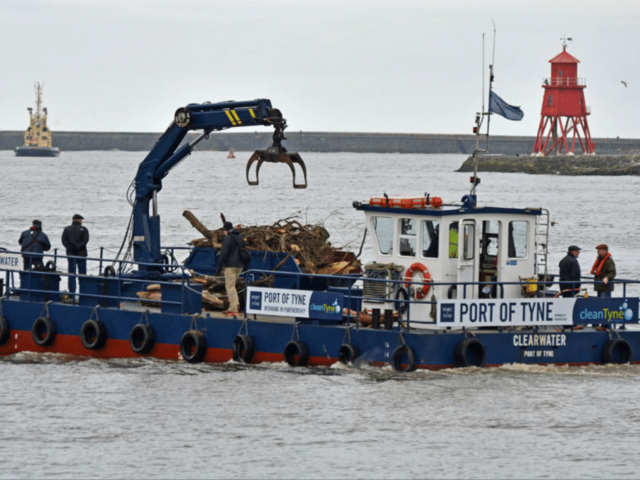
(543, 226)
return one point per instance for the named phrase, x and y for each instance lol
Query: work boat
(454, 284)
(37, 137)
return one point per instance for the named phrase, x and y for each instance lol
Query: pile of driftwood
(308, 244)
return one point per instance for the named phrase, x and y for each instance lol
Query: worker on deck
(75, 238)
(231, 260)
(33, 243)
(604, 270)
(570, 272)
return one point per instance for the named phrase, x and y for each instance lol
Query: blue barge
(454, 284)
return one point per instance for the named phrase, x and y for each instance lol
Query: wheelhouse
(465, 250)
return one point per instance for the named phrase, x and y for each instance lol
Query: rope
(1, 311)
(45, 308)
(347, 334)
(95, 311)
(145, 316)
(245, 325)
(194, 322)
(295, 332)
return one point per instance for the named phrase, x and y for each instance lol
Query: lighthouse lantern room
(564, 112)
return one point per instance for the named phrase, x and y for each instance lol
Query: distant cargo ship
(37, 138)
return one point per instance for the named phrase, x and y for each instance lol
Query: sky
(407, 66)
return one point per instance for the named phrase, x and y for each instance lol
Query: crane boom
(167, 153)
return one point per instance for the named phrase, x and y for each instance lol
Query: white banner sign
(278, 301)
(506, 312)
(10, 261)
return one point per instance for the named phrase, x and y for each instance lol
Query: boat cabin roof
(445, 210)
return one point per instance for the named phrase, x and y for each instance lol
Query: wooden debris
(308, 244)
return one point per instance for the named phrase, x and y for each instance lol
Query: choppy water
(64, 418)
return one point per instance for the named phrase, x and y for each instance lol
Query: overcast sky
(409, 66)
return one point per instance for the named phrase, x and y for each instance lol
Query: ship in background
(37, 138)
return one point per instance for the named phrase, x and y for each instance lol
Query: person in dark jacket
(570, 272)
(75, 238)
(34, 242)
(229, 259)
(604, 270)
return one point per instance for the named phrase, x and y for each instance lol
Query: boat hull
(431, 350)
(37, 151)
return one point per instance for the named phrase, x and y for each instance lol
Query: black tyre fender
(109, 271)
(5, 330)
(50, 266)
(142, 339)
(470, 352)
(348, 353)
(401, 307)
(398, 357)
(93, 334)
(243, 349)
(43, 331)
(617, 351)
(452, 292)
(193, 346)
(297, 349)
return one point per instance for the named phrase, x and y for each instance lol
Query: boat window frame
(374, 219)
(408, 236)
(511, 245)
(423, 231)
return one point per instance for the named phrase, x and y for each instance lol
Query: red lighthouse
(564, 112)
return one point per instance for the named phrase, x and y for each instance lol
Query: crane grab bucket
(276, 153)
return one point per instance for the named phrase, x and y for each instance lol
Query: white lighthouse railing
(564, 81)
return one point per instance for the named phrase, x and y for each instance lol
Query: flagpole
(493, 60)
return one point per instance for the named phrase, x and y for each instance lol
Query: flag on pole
(499, 106)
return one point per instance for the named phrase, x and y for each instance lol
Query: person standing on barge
(75, 238)
(33, 243)
(230, 259)
(570, 272)
(604, 270)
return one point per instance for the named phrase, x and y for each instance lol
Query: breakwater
(558, 165)
(313, 142)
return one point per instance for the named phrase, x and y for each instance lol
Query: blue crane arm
(167, 153)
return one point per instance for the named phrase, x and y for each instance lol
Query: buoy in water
(231, 153)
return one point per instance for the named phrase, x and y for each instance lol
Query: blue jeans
(81, 263)
(604, 294)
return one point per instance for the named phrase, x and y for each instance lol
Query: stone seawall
(558, 165)
(312, 142)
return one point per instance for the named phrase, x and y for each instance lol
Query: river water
(73, 418)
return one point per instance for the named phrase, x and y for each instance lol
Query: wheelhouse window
(453, 240)
(407, 238)
(383, 228)
(518, 235)
(469, 240)
(430, 238)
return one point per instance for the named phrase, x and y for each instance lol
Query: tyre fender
(296, 353)
(193, 346)
(400, 354)
(93, 334)
(243, 349)
(142, 339)
(43, 331)
(470, 352)
(617, 351)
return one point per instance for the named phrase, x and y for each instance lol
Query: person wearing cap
(75, 238)
(230, 259)
(33, 243)
(604, 270)
(570, 272)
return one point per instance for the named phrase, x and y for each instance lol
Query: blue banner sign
(283, 302)
(537, 311)
(600, 311)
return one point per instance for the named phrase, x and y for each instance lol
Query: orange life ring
(408, 277)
